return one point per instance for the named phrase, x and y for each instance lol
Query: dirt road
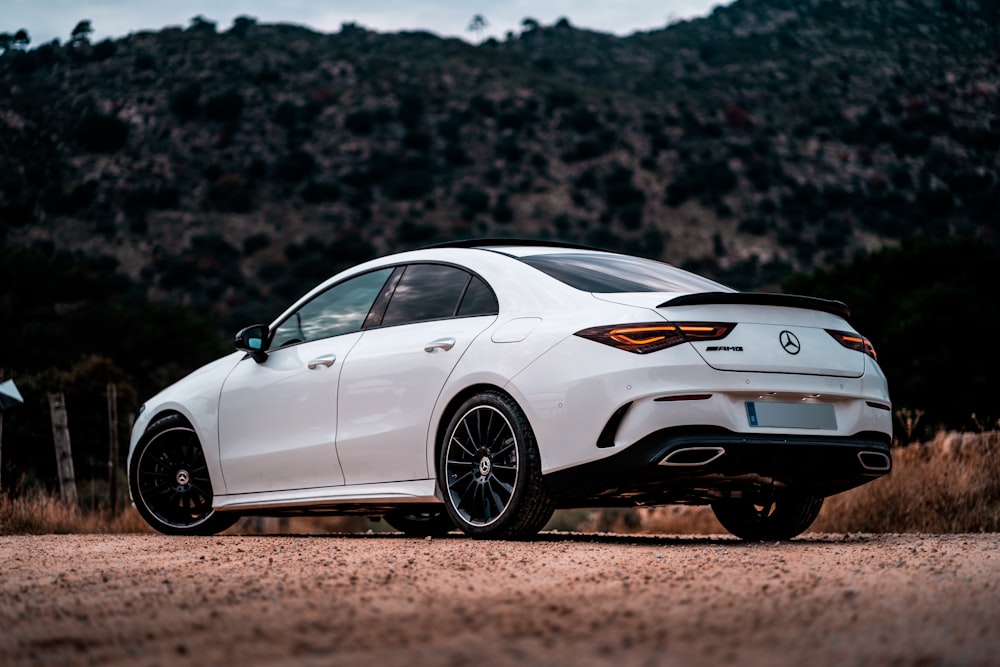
(564, 599)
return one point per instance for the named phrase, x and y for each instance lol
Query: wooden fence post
(113, 445)
(64, 453)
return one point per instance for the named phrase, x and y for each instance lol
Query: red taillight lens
(645, 337)
(854, 341)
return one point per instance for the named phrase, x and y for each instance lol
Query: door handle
(326, 360)
(440, 345)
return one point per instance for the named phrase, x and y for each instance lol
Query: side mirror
(251, 340)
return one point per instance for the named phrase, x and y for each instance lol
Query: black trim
(752, 463)
(485, 244)
(377, 311)
(761, 299)
(607, 437)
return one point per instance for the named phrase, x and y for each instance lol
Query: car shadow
(626, 539)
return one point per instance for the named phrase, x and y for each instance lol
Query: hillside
(230, 169)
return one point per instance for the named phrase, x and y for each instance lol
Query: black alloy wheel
(490, 470)
(779, 518)
(170, 483)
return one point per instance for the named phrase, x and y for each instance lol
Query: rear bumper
(701, 464)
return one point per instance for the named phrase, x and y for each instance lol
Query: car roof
(508, 243)
(519, 247)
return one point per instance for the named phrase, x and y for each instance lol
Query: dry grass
(39, 514)
(948, 485)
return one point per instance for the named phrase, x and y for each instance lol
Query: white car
(481, 385)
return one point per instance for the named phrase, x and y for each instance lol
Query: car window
(426, 292)
(339, 310)
(478, 300)
(607, 273)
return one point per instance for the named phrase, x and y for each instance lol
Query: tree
(924, 307)
(529, 24)
(201, 24)
(477, 25)
(81, 33)
(242, 24)
(21, 40)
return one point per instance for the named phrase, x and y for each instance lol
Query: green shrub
(320, 191)
(482, 106)
(255, 243)
(408, 184)
(100, 133)
(103, 50)
(755, 226)
(456, 156)
(411, 110)
(360, 122)
(509, 149)
(472, 199)
(619, 192)
(224, 107)
(502, 212)
(294, 166)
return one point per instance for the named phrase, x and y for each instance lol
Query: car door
(394, 375)
(278, 417)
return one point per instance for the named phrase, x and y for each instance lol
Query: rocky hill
(231, 169)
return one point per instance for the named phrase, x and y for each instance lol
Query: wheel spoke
(463, 447)
(468, 429)
(456, 482)
(160, 488)
(487, 506)
(508, 488)
(500, 503)
(507, 445)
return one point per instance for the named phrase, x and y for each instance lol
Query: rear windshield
(607, 273)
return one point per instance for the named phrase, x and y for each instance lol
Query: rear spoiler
(761, 299)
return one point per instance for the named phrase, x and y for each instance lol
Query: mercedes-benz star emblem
(790, 342)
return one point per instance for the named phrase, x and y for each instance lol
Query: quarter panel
(571, 391)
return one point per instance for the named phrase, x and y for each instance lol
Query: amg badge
(724, 348)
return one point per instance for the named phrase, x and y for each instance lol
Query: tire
(490, 471)
(170, 483)
(433, 522)
(782, 518)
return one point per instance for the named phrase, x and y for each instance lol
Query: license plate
(769, 414)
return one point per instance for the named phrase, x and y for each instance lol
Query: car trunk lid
(774, 333)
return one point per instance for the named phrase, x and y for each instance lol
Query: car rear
(692, 396)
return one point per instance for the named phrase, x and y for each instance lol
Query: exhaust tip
(692, 456)
(875, 461)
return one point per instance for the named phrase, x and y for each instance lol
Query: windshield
(607, 273)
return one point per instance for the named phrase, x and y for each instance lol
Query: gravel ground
(563, 599)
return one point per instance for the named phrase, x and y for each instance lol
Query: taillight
(853, 341)
(645, 337)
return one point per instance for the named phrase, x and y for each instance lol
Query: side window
(478, 300)
(426, 292)
(339, 310)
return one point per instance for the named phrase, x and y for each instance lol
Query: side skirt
(421, 492)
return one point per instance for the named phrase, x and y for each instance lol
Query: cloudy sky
(50, 19)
